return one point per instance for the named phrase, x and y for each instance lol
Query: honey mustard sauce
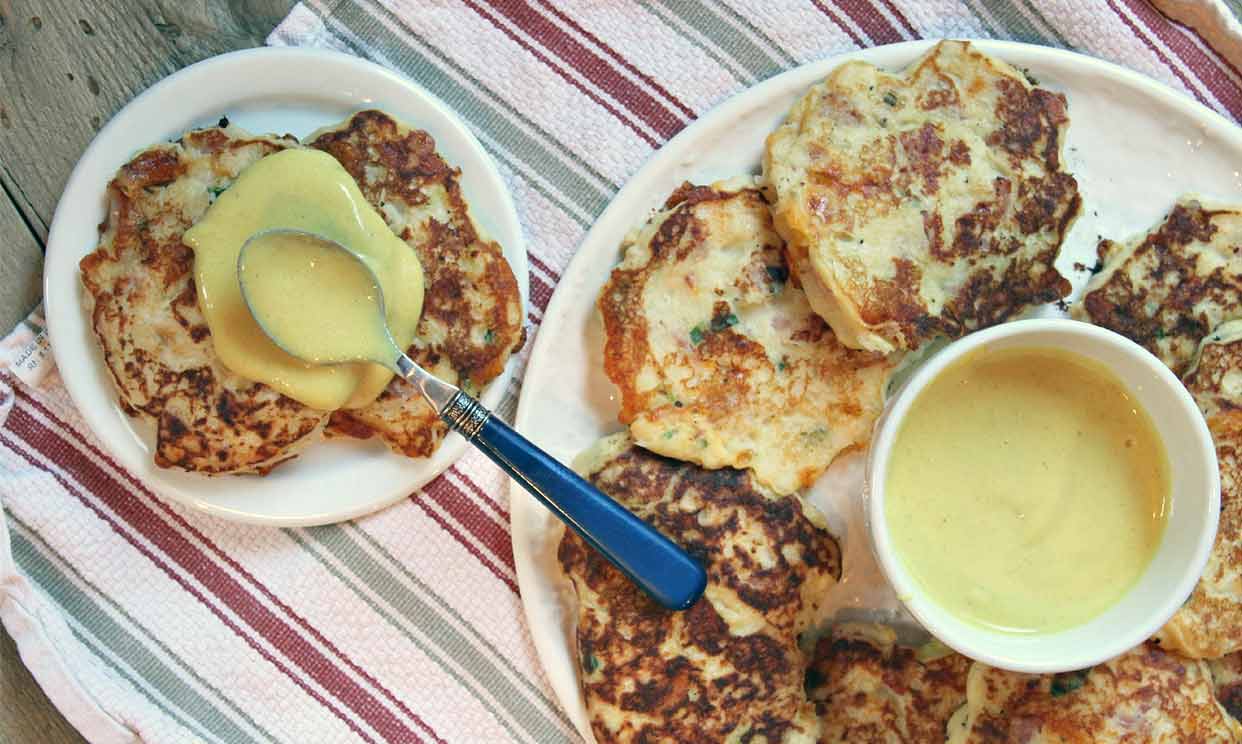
(1027, 489)
(338, 318)
(304, 190)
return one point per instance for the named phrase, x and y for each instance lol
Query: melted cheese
(304, 190)
(1027, 490)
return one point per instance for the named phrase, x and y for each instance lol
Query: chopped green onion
(721, 322)
(1063, 684)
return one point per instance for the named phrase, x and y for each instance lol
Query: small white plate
(282, 91)
(1133, 145)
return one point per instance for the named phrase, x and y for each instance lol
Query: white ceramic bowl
(1183, 551)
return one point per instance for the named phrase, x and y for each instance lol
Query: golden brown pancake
(719, 358)
(929, 202)
(869, 690)
(730, 668)
(472, 309)
(144, 311)
(1146, 695)
(1209, 625)
(157, 345)
(1227, 677)
(1168, 289)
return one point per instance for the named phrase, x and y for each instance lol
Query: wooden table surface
(66, 66)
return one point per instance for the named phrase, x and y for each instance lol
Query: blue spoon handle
(650, 560)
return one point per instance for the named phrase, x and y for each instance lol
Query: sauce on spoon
(338, 315)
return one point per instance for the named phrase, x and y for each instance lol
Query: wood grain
(28, 717)
(66, 66)
(21, 268)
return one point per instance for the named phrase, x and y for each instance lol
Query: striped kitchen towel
(148, 622)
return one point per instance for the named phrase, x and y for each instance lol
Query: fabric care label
(26, 352)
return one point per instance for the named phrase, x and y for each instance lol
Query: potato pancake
(869, 690)
(144, 311)
(157, 345)
(1227, 677)
(930, 202)
(730, 668)
(1145, 695)
(719, 357)
(472, 309)
(1168, 289)
(1209, 624)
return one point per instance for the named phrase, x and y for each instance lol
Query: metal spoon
(650, 560)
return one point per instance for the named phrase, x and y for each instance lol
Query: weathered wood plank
(28, 716)
(66, 66)
(21, 267)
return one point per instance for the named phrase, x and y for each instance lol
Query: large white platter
(1133, 145)
(292, 91)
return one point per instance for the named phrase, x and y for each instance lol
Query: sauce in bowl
(1027, 490)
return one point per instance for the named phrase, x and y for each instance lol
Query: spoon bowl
(276, 265)
(320, 302)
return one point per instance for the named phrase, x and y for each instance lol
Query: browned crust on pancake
(1001, 251)
(625, 341)
(1230, 696)
(1220, 358)
(1169, 290)
(1159, 308)
(1145, 691)
(740, 371)
(690, 194)
(144, 311)
(472, 320)
(913, 702)
(620, 631)
(1209, 624)
(1031, 124)
(626, 347)
(1227, 677)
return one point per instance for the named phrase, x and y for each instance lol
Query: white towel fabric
(1217, 24)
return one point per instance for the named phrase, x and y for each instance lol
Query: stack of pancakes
(158, 348)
